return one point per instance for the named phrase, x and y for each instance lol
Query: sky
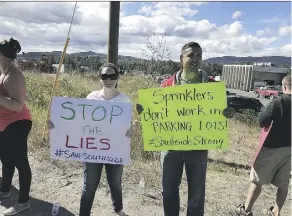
(221, 28)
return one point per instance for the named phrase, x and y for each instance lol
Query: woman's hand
(50, 125)
(129, 133)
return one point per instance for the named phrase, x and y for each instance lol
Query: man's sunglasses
(109, 76)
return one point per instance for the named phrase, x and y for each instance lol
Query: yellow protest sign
(186, 117)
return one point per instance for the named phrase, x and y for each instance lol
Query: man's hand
(228, 112)
(139, 108)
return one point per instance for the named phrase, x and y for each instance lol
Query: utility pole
(113, 37)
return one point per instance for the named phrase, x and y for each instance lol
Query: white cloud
(284, 50)
(146, 9)
(226, 31)
(285, 31)
(200, 29)
(170, 8)
(273, 20)
(59, 12)
(237, 14)
(37, 31)
(263, 32)
(260, 32)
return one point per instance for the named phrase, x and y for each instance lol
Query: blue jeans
(92, 174)
(172, 163)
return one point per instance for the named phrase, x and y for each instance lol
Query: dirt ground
(50, 184)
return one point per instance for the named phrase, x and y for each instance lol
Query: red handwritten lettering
(90, 143)
(105, 142)
(81, 143)
(67, 142)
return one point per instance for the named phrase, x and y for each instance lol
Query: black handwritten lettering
(75, 155)
(154, 116)
(199, 140)
(187, 95)
(214, 111)
(66, 153)
(213, 125)
(159, 141)
(89, 157)
(171, 126)
(158, 94)
(210, 96)
(102, 157)
(110, 159)
(204, 95)
(118, 160)
(191, 111)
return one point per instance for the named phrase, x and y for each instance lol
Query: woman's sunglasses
(109, 76)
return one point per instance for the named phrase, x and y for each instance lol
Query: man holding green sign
(185, 143)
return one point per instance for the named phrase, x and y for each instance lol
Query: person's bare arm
(14, 84)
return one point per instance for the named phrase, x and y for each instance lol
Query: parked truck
(268, 92)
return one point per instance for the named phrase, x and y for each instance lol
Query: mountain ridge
(278, 60)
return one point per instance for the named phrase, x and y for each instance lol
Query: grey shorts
(272, 166)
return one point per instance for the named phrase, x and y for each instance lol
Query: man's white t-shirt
(96, 95)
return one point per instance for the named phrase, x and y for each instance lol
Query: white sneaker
(18, 207)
